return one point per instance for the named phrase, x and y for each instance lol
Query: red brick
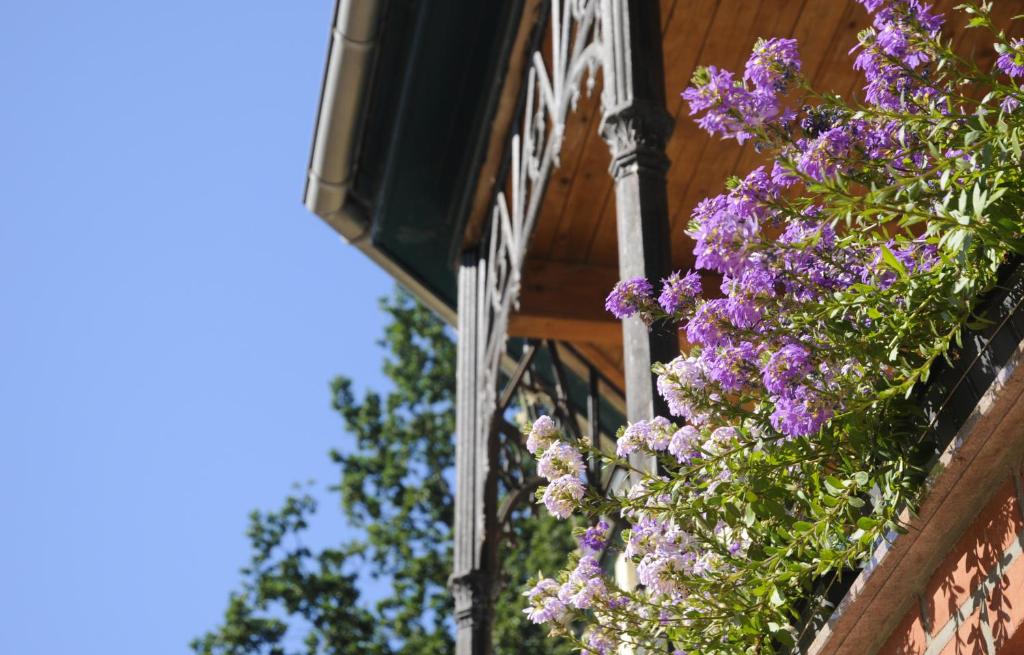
(908, 638)
(1006, 604)
(975, 554)
(1014, 645)
(968, 639)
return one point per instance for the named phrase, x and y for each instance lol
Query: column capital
(636, 135)
(473, 594)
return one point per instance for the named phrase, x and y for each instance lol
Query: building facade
(508, 162)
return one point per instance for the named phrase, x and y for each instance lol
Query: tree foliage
(395, 486)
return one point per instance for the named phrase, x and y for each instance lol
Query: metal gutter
(336, 140)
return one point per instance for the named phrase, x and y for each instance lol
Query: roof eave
(346, 86)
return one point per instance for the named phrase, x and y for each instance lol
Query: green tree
(395, 486)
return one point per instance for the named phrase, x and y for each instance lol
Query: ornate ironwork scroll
(551, 92)
(585, 36)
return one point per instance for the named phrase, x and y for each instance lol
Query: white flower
(560, 459)
(542, 434)
(563, 495)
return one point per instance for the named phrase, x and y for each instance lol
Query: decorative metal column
(636, 126)
(623, 38)
(476, 533)
(489, 281)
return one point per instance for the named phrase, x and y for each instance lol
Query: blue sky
(171, 314)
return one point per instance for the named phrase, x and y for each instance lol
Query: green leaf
(834, 485)
(802, 526)
(866, 523)
(893, 263)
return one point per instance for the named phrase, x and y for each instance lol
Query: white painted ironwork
(617, 38)
(552, 91)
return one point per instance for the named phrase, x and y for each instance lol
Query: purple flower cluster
(772, 64)
(560, 463)
(601, 640)
(630, 297)
(1011, 60)
(800, 412)
(789, 363)
(775, 359)
(913, 256)
(732, 366)
(725, 226)
(731, 109)
(545, 605)
(709, 325)
(681, 384)
(595, 538)
(585, 585)
(541, 435)
(653, 435)
(824, 155)
(563, 496)
(679, 292)
(560, 459)
(738, 109)
(685, 444)
(894, 52)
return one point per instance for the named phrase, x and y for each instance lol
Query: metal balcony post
(473, 581)
(636, 126)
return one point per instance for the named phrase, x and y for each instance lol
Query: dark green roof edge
(452, 78)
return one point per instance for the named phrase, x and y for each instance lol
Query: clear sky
(171, 314)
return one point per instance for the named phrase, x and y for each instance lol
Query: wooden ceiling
(572, 260)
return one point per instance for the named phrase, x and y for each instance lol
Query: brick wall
(974, 602)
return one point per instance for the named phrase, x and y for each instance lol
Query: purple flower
(595, 538)
(722, 234)
(720, 438)
(585, 585)
(646, 536)
(772, 63)
(783, 177)
(757, 278)
(896, 43)
(749, 197)
(545, 604)
(800, 412)
(1011, 61)
(709, 324)
(872, 5)
(743, 312)
(660, 573)
(665, 552)
(685, 444)
(600, 640)
(560, 459)
(1009, 104)
(732, 367)
(915, 256)
(542, 434)
(650, 435)
(682, 378)
(821, 157)
(788, 363)
(563, 495)
(679, 292)
(629, 297)
(731, 109)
